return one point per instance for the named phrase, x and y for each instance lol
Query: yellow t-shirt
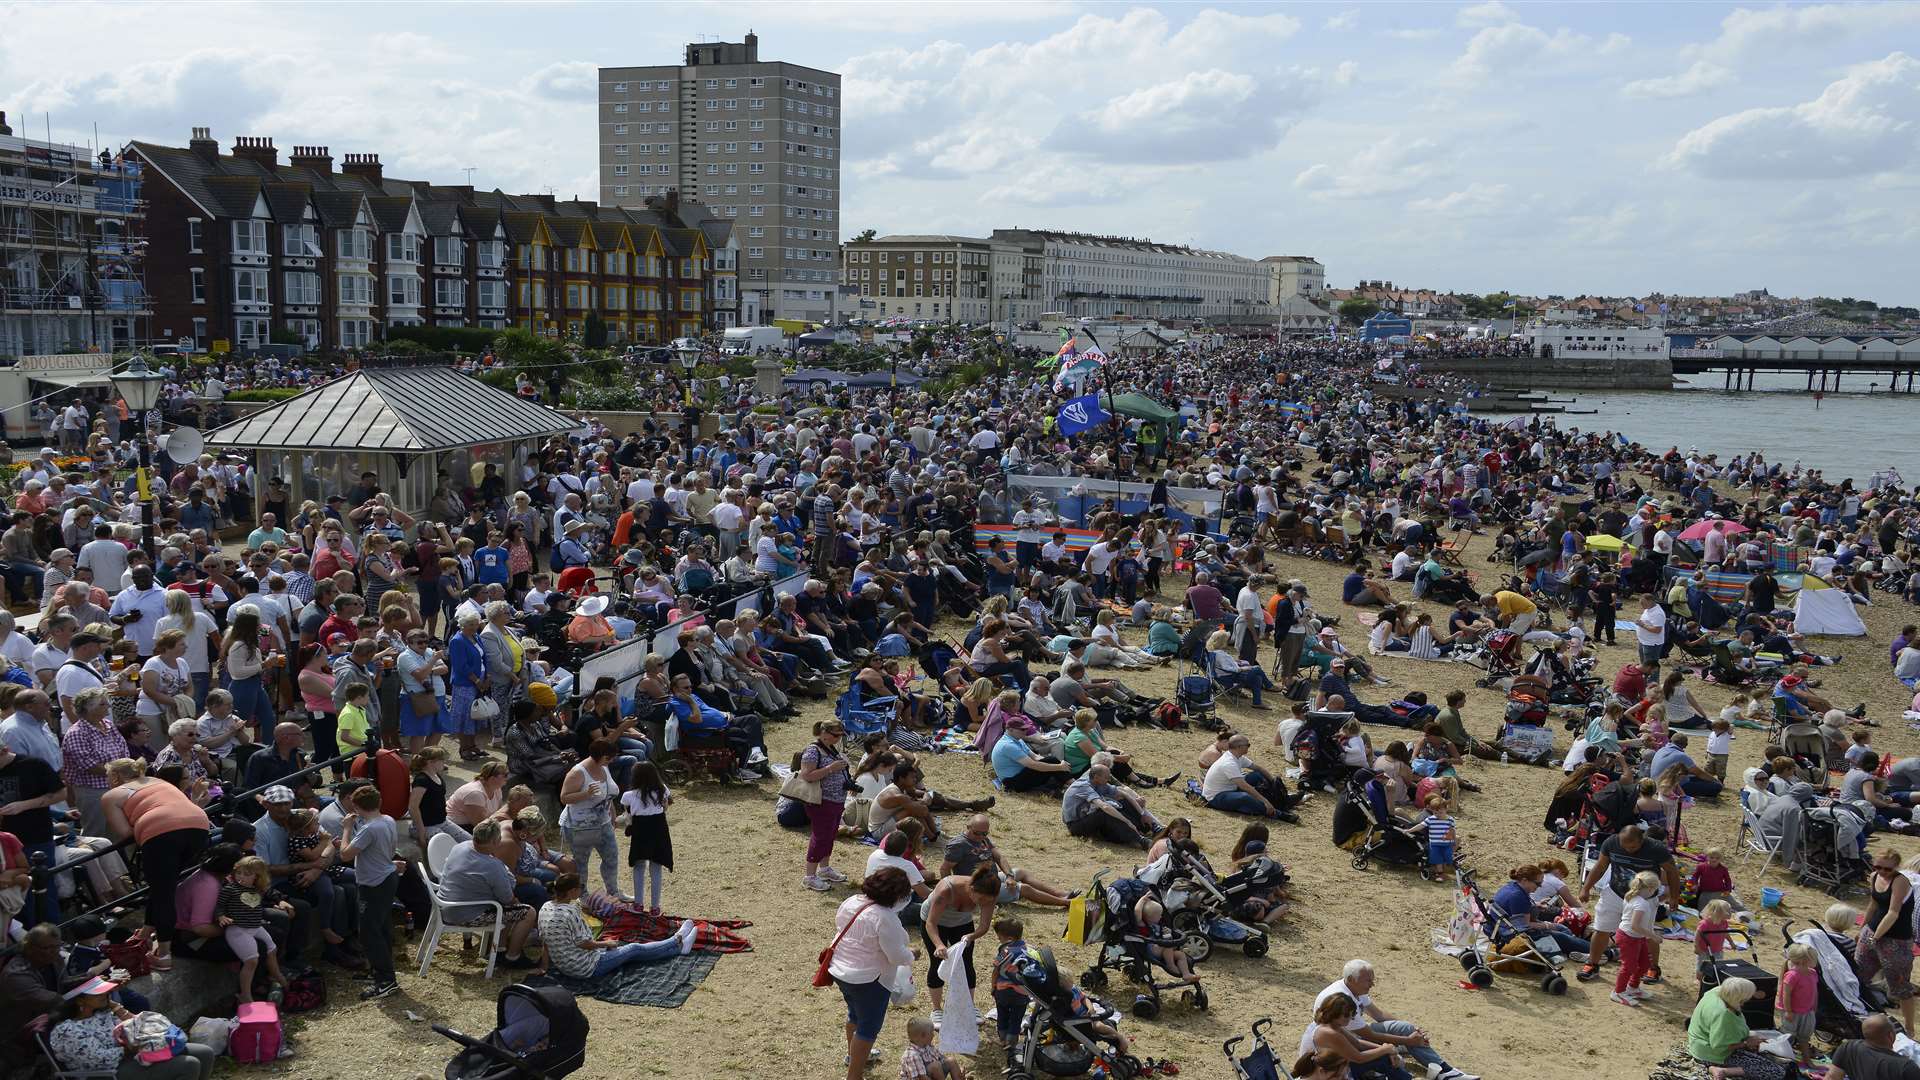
(1512, 603)
(353, 721)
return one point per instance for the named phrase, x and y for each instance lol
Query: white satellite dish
(183, 444)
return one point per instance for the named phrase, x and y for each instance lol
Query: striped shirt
(563, 929)
(1439, 830)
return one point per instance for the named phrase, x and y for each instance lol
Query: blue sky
(1534, 147)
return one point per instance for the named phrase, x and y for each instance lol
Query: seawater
(1852, 434)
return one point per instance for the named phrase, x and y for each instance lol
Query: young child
(242, 914)
(1710, 934)
(221, 732)
(1149, 916)
(922, 1060)
(1604, 613)
(1356, 749)
(1799, 995)
(1440, 834)
(351, 728)
(1009, 997)
(1634, 938)
(1736, 709)
(1719, 747)
(368, 839)
(650, 849)
(1861, 745)
(1711, 880)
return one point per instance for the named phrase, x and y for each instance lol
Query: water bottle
(1504, 759)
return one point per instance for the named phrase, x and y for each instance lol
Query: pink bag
(256, 1040)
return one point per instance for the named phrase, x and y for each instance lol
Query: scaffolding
(72, 250)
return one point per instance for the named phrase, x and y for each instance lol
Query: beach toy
(1770, 897)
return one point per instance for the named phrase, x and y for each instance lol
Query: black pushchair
(1261, 1064)
(1055, 1041)
(1316, 746)
(539, 1034)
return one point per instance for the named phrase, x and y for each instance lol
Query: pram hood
(1836, 975)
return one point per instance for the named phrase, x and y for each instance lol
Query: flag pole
(1113, 414)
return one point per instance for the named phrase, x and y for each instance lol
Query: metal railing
(44, 875)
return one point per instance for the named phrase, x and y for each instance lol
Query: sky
(1538, 148)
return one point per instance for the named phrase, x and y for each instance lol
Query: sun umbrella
(1699, 529)
(1603, 542)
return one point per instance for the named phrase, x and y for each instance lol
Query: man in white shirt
(1226, 787)
(16, 647)
(139, 608)
(1405, 563)
(1372, 1023)
(985, 439)
(1650, 631)
(1100, 557)
(79, 672)
(892, 853)
(106, 557)
(640, 492)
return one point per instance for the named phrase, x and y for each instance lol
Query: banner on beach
(1082, 413)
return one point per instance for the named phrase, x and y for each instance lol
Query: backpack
(256, 1040)
(1170, 716)
(304, 993)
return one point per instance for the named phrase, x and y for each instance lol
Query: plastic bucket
(1770, 897)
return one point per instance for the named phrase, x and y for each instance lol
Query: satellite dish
(183, 444)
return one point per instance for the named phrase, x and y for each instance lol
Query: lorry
(746, 340)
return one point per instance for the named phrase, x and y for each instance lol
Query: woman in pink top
(480, 798)
(171, 833)
(316, 693)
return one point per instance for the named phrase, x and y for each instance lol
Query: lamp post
(689, 352)
(139, 387)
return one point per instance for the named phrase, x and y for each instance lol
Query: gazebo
(404, 424)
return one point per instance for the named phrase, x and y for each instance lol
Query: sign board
(64, 362)
(69, 196)
(220, 347)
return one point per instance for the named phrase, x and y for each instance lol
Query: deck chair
(1749, 842)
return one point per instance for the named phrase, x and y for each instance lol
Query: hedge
(267, 393)
(455, 338)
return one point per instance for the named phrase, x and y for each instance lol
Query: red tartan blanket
(630, 922)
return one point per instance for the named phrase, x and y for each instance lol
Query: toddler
(1009, 996)
(1798, 997)
(1736, 709)
(241, 916)
(1440, 834)
(1356, 749)
(220, 732)
(1710, 934)
(1634, 938)
(922, 1060)
(1719, 747)
(1711, 880)
(1861, 745)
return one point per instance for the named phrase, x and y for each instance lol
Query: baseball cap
(337, 638)
(278, 793)
(60, 553)
(91, 987)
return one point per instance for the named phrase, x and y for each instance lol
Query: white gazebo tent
(404, 424)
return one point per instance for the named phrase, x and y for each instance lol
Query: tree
(523, 350)
(1357, 310)
(866, 236)
(595, 335)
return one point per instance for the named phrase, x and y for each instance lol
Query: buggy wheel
(1469, 960)
(1019, 1074)
(1196, 998)
(1145, 1007)
(1481, 977)
(1185, 921)
(1554, 984)
(1360, 861)
(1256, 947)
(1197, 945)
(1124, 1067)
(1094, 979)
(676, 771)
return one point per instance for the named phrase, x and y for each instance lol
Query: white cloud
(1746, 32)
(1514, 47)
(567, 80)
(1865, 123)
(1388, 166)
(1346, 73)
(1475, 200)
(1345, 20)
(1699, 78)
(1490, 13)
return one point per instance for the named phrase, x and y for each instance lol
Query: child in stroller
(1363, 824)
(539, 1034)
(1132, 937)
(1067, 1032)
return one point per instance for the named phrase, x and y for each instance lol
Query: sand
(757, 1016)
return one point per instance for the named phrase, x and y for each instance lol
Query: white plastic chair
(438, 848)
(1750, 841)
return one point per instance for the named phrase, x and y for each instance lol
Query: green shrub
(456, 338)
(267, 393)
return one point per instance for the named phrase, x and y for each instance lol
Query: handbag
(425, 704)
(1079, 920)
(485, 708)
(806, 791)
(820, 976)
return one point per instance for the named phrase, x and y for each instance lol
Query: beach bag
(1578, 922)
(806, 791)
(1079, 919)
(1169, 716)
(485, 710)
(133, 956)
(820, 975)
(304, 993)
(211, 1032)
(256, 1037)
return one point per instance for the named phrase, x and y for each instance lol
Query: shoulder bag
(820, 975)
(806, 791)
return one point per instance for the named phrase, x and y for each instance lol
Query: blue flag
(1082, 413)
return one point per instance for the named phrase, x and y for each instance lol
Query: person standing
(587, 797)
(822, 763)
(171, 834)
(368, 839)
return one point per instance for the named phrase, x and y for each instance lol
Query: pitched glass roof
(411, 409)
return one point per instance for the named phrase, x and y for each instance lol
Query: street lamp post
(689, 352)
(139, 387)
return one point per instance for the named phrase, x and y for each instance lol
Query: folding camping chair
(1749, 842)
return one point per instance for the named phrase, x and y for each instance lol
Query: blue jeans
(1237, 802)
(1568, 941)
(19, 575)
(1251, 678)
(634, 952)
(36, 912)
(251, 702)
(1425, 1055)
(1701, 788)
(202, 682)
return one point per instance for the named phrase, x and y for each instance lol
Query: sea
(1852, 434)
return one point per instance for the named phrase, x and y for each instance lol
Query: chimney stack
(311, 157)
(258, 150)
(365, 166)
(753, 47)
(202, 144)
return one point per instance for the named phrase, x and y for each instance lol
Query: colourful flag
(1082, 413)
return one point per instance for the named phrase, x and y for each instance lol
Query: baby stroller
(539, 1034)
(1499, 656)
(1199, 909)
(1259, 1065)
(1120, 948)
(1501, 945)
(1055, 1041)
(1382, 836)
(1317, 747)
(1844, 1000)
(1193, 692)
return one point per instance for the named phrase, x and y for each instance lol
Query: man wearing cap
(304, 881)
(277, 763)
(79, 672)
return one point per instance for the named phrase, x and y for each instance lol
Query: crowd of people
(335, 663)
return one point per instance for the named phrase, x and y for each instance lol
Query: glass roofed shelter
(409, 426)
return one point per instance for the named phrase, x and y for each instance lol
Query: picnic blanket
(631, 922)
(663, 985)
